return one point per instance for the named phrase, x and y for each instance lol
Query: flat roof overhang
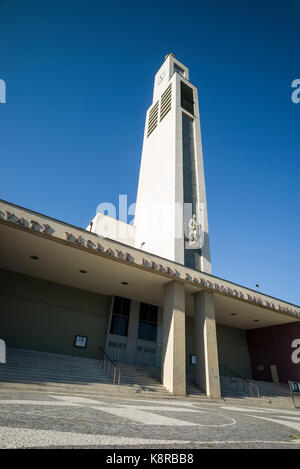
(64, 250)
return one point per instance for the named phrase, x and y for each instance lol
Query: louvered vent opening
(165, 103)
(187, 98)
(153, 118)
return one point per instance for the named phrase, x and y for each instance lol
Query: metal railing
(238, 380)
(110, 367)
(294, 388)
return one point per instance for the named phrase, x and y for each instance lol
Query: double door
(146, 353)
(117, 349)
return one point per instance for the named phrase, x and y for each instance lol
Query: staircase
(50, 372)
(234, 386)
(192, 389)
(149, 380)
(234, 389)
(31, 370)
(276, 394)
(146, 380)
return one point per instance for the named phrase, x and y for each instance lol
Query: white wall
(155, 208)
(109, 227)
(159, 209)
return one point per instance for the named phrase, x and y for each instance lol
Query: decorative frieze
(208, 284)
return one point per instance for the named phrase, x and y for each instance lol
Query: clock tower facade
(171, 212)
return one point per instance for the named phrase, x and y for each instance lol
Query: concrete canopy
(60, 260)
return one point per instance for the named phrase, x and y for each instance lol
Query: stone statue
(193, 231)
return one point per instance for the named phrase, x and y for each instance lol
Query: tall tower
(171, 190)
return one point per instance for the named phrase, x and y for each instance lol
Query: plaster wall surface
(233, 350)
(45, 316)
(155, 215)
(109, 227)
(160, 220)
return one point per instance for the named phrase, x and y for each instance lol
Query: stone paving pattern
(39, 420)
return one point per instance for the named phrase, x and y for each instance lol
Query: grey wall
(39, 315)
(233, 350)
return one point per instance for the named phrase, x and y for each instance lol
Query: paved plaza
(39, 420)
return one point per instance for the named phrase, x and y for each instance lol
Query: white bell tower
(171, 212)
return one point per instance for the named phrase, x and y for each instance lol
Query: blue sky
(79, 79)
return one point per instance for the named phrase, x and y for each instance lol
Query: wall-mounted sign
(80, 341)
(193, 359)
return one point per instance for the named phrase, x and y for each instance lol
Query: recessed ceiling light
(256, 320)
(82, 271)
(35, 258)
(124, 283)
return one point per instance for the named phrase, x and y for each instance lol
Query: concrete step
(43, 370)
(54, 378)
(233, 390)
(269, 393)
(192, 389)
(95, 387)
(143, 376)
(77, 389)
(263, 402)
(48, 371)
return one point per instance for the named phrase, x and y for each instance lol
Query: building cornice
(70, 235)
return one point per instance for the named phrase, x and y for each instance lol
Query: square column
(173, 345)
(207, 363)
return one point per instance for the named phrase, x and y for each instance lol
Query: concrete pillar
(173, 346)
(207, 363)
(133, 331)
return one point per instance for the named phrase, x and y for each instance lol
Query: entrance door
(147, 335)
(146, 353)
(117, 338)
(117, 350)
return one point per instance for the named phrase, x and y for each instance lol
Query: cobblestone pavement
(37, 420)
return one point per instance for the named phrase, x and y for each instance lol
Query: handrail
(110, 366)
(255, 386)
(294, 387)
(233, 374)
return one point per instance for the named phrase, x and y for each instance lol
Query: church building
(145, 293)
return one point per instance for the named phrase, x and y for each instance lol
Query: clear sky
(79, 77)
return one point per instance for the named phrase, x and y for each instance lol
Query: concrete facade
(45, 316)
(160, 218)
(58, 281)
(233, 350)
(109, 227)
(275, 352)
